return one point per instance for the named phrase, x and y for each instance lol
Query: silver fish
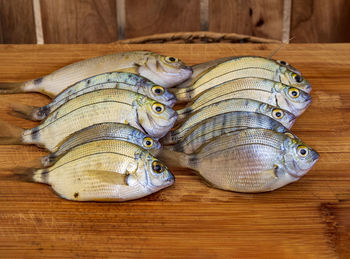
(222, 124)
(284, 117)
(162, 70)
(102, 131)
(252, 160)
(243, 67)
(263, 90)
(108, 105)
(118, 80)
(104, 170)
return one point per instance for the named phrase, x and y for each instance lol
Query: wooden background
(103, 21)
(307, 219)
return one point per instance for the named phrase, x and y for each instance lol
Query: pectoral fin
(270, 172)
(108, 177)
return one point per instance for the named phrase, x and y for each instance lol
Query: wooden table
(306, 219)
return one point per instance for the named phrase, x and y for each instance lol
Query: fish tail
(173, 159)
(182, 95)
(12, 88)
(10, 134)
(28, 112)
(30, 174)
(168, 139)
(183, 113)
(48, 160)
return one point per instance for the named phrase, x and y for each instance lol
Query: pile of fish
(110, 114)
(234, 131)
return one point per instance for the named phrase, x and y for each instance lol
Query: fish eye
(157, 167)
(148, 142)
(158, 107)
(293, 92)
(297, 78)
(171, 59)
(302, 151)
(283, 63)
(158, 90)
(277, 114)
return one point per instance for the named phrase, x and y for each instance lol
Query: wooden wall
(103, 21)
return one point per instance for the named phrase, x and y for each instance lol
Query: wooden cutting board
(306, 219)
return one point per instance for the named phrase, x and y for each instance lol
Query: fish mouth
(170, 180)
(171, 101)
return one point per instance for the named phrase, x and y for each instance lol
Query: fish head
(286, 118)
(292, 99)
(157, 174)
(144, 140)
(294, 78)
(164, 70)
(155, 118)
(299, 158)
(160, 94)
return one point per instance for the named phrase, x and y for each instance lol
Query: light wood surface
(306, 219)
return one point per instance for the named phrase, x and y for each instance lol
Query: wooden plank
(320, 21)
(258, 18)
(306, 219)
(17, 22)
(88, 21)
(159, 16)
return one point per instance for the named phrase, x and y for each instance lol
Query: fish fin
(11, 88)
(167, 139)
(173, 159)
(29, 174)
(270, 172)
(181, 94)
(26, 112)
(132, 70)
(10, 134)
(46, 161)
(109, 177)
(183, 114)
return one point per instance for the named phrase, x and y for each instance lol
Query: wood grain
(306, 219)
(79, 21)
(17, 22)
(258, 18)
(320, 21)
(157, 16)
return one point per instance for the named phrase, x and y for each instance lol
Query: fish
(284, 117)
(103, 170)
(107, 105)
(274, 93)
(101, 131)
(243, 67)
(118, 80)
(163, 70)
(221, 124)
(250, 161)
(201, 69)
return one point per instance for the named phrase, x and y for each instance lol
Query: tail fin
(30, 174)
(173, 159)
(10, 134)
(26, 112)
(168, 139)
(182, 95)
(183, 114)
(11, 88)
(48, 160)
